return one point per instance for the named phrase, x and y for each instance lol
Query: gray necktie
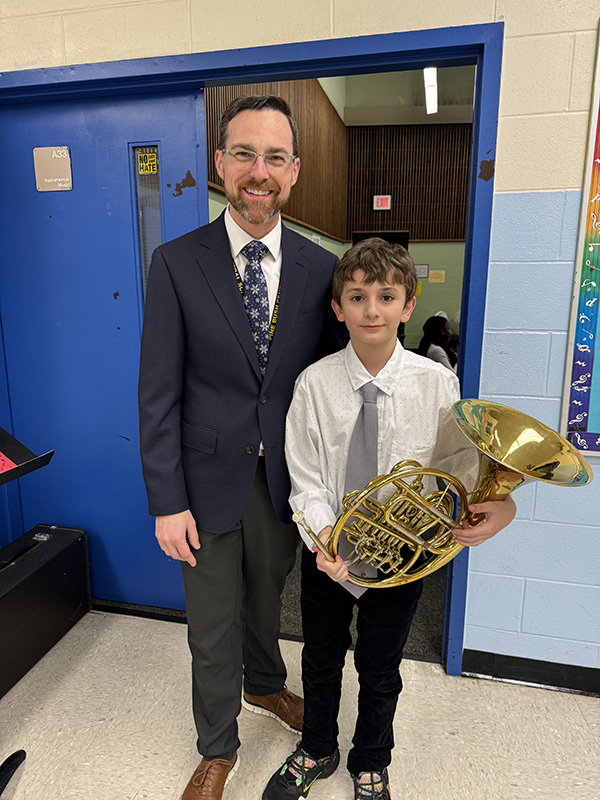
(361, 468)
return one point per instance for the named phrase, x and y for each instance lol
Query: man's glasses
(272, 160)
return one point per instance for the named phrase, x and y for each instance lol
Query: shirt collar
(386, 379)
(238, 238)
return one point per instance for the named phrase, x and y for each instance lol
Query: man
(234, 312)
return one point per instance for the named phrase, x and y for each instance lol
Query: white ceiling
(398, 98)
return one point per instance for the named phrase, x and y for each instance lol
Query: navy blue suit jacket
(204, 406)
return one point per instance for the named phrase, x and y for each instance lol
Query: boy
(373, 292)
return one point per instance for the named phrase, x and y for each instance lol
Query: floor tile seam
(75, 759)
(588, 723)
(584, 702)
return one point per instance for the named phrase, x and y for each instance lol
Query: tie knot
(369, 392)
(254, 250)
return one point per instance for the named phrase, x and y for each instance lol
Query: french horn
(410, 535)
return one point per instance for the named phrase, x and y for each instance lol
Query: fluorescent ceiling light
(431, 92)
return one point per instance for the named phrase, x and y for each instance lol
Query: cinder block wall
(535, 591)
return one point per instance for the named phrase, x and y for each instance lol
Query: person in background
(452, 349)
(433, 344)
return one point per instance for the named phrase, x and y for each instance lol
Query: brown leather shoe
(284, 706)
(209, 779)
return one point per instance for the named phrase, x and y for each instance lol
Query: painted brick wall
(534, 590)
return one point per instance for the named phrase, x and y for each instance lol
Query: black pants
(383, 623)
(233, 602)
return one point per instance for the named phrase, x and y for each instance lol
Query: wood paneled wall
(319, 198)
(425, 168)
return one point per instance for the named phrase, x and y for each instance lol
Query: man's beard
(256, 212)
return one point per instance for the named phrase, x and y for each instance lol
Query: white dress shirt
(414, 401)
(271, 261)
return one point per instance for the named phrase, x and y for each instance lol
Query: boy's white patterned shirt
(413, 403)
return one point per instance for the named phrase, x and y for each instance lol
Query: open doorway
(366, 136)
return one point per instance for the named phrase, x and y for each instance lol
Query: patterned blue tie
(256, 300)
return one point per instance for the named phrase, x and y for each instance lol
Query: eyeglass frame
(230, 152)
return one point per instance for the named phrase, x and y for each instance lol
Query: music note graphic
(591, 246)
(578, 418)
(579, 441)
(588, 282)
(580, 388)
(583, 318)
(577, 403)
(595, 199)
(583, 348)
(581, 379)
(581, 363)
(595, 223)
(590, 303)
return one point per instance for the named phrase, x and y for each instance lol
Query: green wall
(447, 256)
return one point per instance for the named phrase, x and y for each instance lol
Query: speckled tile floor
(106, 716)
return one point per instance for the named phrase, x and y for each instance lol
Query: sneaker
(297, 775)
(372, 786)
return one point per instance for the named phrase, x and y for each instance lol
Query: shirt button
(249, 449)
(263, 399)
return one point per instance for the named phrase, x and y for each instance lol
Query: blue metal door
(71, 304)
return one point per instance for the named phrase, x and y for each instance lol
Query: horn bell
(518, 448)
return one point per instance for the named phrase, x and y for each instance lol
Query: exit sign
(382, 202)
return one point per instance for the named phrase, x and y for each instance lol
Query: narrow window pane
(146, 166)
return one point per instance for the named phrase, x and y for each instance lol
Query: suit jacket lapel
(215, 261)
(294, 272)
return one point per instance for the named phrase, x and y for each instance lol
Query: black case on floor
(44, 591)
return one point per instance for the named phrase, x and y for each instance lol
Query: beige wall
(547, 71)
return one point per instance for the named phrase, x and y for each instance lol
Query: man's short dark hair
(254, 102)
(380, 261)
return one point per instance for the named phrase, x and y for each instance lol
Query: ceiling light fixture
(431, 91)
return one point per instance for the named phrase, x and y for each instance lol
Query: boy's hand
(498, 514)
(337, 570)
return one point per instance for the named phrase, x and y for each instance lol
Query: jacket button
(263, 399)
(249, 449)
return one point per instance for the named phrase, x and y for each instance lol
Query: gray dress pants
(233, 601)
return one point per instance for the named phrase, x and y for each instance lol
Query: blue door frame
(480, 45)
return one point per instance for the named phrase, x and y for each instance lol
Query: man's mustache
(265, 186)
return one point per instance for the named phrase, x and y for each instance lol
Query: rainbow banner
(581, 398)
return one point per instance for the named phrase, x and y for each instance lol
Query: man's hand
(337, 570)
(498, 514)
(175, 534)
